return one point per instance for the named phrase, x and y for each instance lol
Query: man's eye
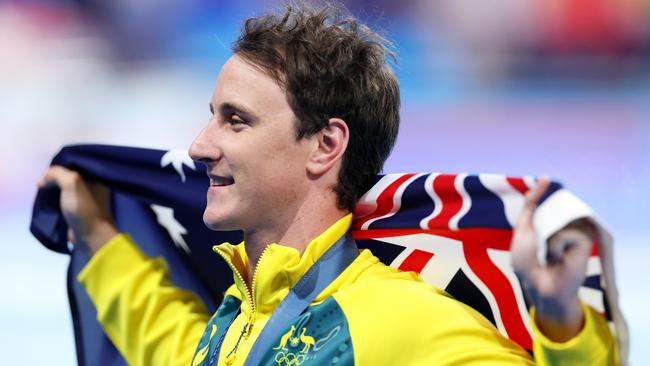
(235, 120)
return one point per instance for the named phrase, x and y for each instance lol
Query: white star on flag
(177, 158)
(166, 219)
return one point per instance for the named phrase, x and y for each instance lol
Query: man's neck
(296, 232)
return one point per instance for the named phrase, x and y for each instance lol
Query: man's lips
(220, 181)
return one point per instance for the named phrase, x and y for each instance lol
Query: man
(304, 114)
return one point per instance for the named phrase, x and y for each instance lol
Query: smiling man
(304, 114)
(265, 180)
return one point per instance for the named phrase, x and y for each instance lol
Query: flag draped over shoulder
(454, 229)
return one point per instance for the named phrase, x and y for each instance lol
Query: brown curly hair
(331, 65)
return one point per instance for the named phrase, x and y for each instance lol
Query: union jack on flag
(453, 229)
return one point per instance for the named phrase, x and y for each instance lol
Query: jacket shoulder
(396, 318)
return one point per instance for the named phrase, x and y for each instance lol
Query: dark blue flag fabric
(454, 229)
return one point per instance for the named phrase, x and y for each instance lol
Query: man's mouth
(221, 181)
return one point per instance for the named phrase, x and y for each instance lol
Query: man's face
(257, 169)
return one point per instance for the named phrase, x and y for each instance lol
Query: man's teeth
(221, 182)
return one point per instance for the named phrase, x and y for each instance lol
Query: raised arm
(150, 321)
(561, 321)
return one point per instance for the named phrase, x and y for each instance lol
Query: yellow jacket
(371, 314)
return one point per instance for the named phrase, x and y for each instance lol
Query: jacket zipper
(248, 327)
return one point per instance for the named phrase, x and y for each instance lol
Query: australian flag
(454, 229)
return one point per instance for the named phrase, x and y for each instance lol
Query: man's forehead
(242, 84)
(238, 68)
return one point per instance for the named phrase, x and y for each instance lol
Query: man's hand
(85, 207)
(553, 288)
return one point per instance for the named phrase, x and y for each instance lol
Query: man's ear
(332, 141)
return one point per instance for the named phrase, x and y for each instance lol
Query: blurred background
(557, 87)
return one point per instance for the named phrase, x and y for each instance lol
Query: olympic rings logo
(289, 359)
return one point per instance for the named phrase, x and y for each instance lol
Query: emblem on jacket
(293, 348)
(308, 341)
(312, 338)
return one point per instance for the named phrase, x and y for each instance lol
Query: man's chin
(219, 223)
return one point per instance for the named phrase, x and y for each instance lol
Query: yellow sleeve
(150, 321)
(412, 323)
(593, 346)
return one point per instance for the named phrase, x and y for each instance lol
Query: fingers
(85, 208)
(59, 176)
(524, 241)
(71, 237)
(532, 197)
(102, 195)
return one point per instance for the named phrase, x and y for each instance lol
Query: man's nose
(204, 148)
